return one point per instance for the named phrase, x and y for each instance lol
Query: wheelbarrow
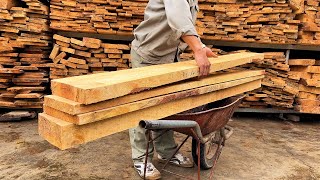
(207, 127)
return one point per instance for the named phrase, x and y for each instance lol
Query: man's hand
(201, 57)
(200, 54)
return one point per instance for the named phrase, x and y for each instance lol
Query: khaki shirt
(157, 38)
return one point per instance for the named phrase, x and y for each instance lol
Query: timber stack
(278, 88)
(280, 22)
(25, 42)
(97, 16)
(88, 107)
(248, 21)
(73, 57)
(308, 72)
(309, 33)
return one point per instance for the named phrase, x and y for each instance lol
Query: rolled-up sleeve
(179, 18)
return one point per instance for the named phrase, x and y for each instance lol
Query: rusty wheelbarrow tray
(205, 124)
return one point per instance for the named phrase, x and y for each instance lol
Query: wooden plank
(302, 62)
(74, 108)
(91, 42)
(8, 4)
(29, 96)
(94, 88)
(313, 90)
(314, 69)
(65, 135)
(59, 57)
(135, 106)
(61, 38)
(54, 52)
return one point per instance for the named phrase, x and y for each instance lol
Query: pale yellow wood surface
(99, 87)
(66, 135)
(74, 108)
(139, 105)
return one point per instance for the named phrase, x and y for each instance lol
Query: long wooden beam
(94, 116)
(66, 135)
(74, 108)
(95, 88)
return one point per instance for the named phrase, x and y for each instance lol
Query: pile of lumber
(97, 16)
(248, 21)
(278, 88)
(25, 42)
(88, 107)
(308, 72)
(309, 33)
(73, 57)
(281, 21)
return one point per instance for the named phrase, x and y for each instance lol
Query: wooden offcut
(66, 135)
(94, 88)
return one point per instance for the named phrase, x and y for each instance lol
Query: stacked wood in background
(25, 42)
(252, 21)
(261, 21)
(72, 57)
(309, 33)
(97, 16)
(278, 89)
(308, 72)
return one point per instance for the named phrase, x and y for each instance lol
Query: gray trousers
(165, 145)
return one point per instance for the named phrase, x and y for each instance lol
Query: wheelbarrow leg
(198, 151)
(219, 150)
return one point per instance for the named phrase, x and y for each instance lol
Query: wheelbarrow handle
(171, 124)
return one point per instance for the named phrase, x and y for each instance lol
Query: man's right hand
(203, 63)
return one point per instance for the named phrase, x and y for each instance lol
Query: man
(167, 25)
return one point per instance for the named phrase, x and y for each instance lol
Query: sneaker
(151, 172)
(178, 160)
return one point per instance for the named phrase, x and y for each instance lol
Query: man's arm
(180, 20)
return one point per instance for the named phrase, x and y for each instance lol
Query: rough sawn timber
(99, 87)
(74, 108)
(66, 135)
(103, 114)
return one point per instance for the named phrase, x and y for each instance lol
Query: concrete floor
(260, 148)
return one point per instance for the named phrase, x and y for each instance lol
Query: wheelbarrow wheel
(209, 152)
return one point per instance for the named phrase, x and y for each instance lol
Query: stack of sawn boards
(25, 44)
(85, 108)
(74, 57)
(266, 21)
(308, 72)
(278, 89)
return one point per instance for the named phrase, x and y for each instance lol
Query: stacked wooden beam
(308, 72)
(278, 89)
(73, 57)
(85, 108)
(97, 16)
(25, 42)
